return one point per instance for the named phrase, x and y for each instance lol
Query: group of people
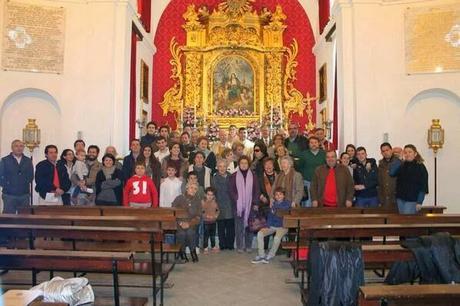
(234, 186)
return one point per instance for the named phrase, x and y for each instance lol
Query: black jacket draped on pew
(337, 272)
(437, 261)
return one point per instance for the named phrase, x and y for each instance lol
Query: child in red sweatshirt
(140, 191)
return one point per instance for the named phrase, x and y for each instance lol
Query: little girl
(210, 212)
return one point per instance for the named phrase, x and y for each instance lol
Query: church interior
(233, 84)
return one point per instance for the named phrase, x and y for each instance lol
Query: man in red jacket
(140, 191)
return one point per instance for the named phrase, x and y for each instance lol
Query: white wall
(93, 91)
(92, 94)
(375, 92)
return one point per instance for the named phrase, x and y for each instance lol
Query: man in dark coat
(51, 178)
(129, 161)
(16, 174)
(387, 183)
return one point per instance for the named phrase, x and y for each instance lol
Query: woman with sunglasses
(259, 153)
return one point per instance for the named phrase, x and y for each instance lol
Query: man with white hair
(16, 174)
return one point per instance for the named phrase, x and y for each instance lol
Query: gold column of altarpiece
(234, 68)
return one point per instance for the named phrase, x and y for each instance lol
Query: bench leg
(302, 281)
(116, 293)
(51, 274)
(34, 277)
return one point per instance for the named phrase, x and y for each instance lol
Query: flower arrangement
(189, 117)
(253, 129)
(213, 131)
(277, 122)
(234, 112)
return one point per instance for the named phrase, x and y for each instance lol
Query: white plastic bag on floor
(74, 291)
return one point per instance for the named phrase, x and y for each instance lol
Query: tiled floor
(229, 278)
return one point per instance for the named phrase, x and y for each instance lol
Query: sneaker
(215, 249)
(248, 250)
(205, 251)
(268, 258)
(259, 259)
(240, 251)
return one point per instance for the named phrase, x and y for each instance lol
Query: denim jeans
(12, 203)
(406, 207)
(372, 202)
(307, 203)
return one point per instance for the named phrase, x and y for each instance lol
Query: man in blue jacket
(365, 176)
(51, 178)
(16, 175)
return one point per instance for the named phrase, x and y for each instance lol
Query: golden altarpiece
(234, 68)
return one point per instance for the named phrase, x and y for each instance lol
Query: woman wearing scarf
(244, 193)
(210, 160)
(109, 185)
(290, 180)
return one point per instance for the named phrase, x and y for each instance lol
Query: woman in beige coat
(290, 180)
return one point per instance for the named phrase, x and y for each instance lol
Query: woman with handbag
(244, 192)
(274, 226)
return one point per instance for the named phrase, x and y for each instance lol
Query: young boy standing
(170, 188)
(274, 225)
(140, 191)
(210, 212)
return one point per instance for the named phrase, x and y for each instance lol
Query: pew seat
(399, 295)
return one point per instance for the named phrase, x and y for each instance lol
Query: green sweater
(309, 162)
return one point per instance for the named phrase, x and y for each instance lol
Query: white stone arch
(443, 104)
(29, 92)
(433, 93)
(29, 103)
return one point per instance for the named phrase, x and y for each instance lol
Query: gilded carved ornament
(235, 29)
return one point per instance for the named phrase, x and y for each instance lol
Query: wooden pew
(366, 230)
(299, 222)
(307, 232)
(426, 209)
(305, 211)
(70, 261)
(59, 209)
(164, 222)
(399, 295)
(85, 238)
(113, 216)
(431, 209)
(96, 211)
(423, 219)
